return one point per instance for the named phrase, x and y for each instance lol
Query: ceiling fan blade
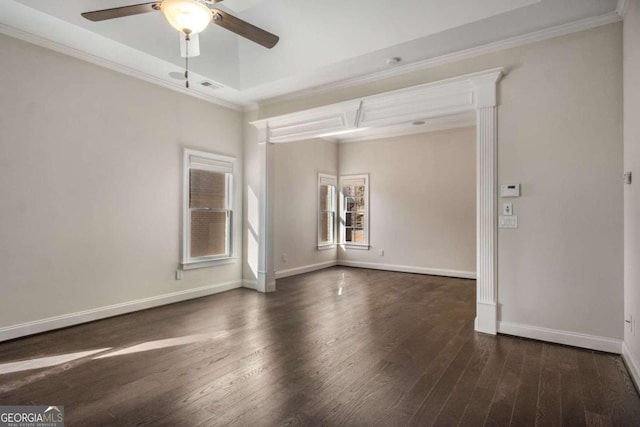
(244, 29)
(119, 12)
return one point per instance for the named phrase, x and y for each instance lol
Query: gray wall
(90, 180)
(422, 200)
(631, 192)
(295, 206)
(90, 183)
(560, 136)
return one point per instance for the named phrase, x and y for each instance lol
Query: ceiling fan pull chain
(186, 70)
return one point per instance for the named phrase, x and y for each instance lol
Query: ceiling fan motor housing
(187, 16)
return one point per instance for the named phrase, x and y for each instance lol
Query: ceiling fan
(190, 17)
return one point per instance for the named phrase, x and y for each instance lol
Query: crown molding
(622, 7)
(253, 106)
(549, 33)
(114, 66)
(15, 24)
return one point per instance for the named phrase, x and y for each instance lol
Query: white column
(487, 184)
(266, 275)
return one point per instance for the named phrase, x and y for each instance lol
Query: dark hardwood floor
(336, 347)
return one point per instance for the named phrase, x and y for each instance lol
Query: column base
(486, 318)
(263, 284)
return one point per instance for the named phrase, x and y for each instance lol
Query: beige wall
(90, 183)
(560, 136)
(90, 180)
(560, 133)
(631, 193)
(295, 205)
(422, 199)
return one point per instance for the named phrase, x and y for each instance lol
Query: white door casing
(472, 92)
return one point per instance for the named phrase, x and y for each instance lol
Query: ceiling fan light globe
(187, 16)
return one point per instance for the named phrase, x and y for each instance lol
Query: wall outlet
(284, 258)
(178, 274)
(380, 252)
(507, 209)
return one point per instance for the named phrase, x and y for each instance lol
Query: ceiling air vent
(211, 85)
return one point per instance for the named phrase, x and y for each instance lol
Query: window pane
(354, 209)
(207, 189)
(348, 235)
(326, 197)
(348, 220)
(208, 233)
(326, 227)
(349, 190)
(350, 204)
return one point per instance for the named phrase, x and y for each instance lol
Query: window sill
(326, 247)
(207, 263)
(358, 247)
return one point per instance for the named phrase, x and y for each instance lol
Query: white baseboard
(304, 269)
(375, 266)
(250, 284)
(409, 269)
(576, 339)
(57, 322)
(632, 364)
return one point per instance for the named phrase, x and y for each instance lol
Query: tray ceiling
(320, 41)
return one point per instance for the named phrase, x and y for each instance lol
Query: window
(354, 211)
(208, 209)
(326, 211)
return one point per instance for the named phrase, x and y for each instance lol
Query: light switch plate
(507, 209)
(508, 222)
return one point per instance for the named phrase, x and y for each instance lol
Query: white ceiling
(321, 41)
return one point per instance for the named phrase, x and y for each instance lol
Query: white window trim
(352, 245)
(324, 178)
(216, 161)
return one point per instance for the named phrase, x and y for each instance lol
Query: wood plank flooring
(340, 346)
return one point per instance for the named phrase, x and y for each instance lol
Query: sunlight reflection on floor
(49, 361)
(45, 362)
(170, 342)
